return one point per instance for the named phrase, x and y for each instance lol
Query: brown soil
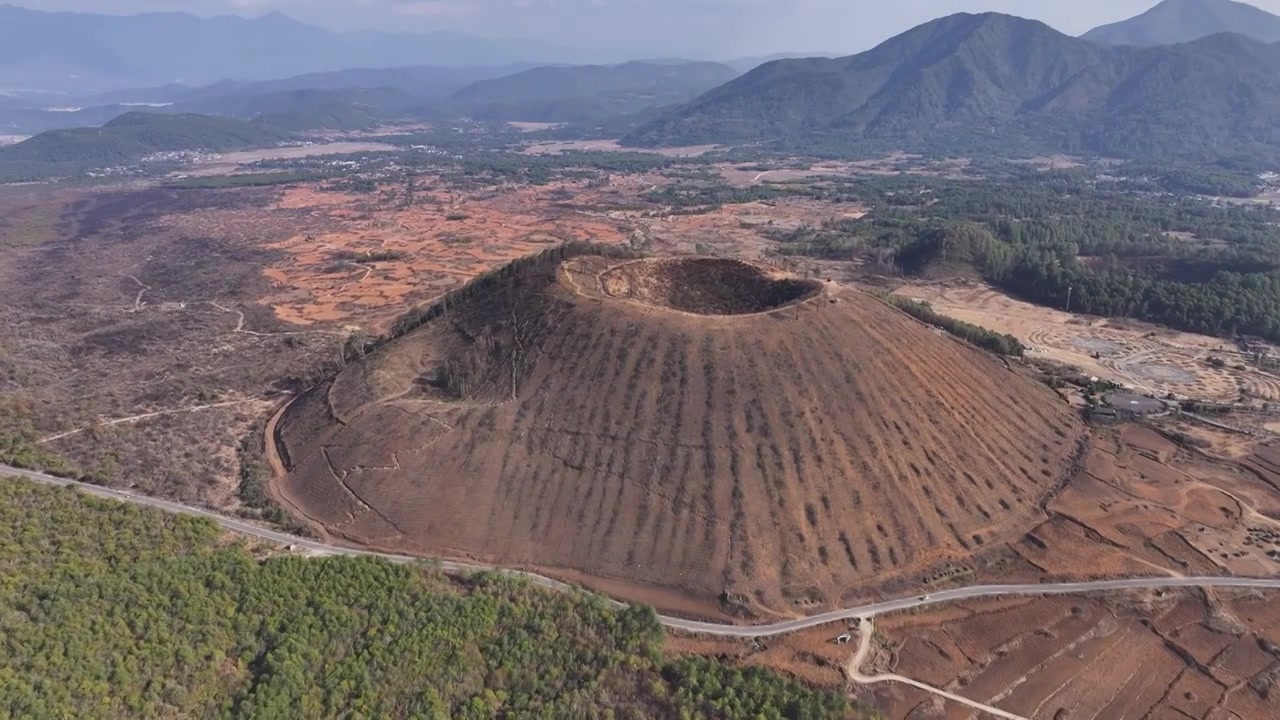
(1149, 358)
(783, 458)
(436, 242)
(115, 352)
(704, 286)
(1153, 655)
(1142, 505)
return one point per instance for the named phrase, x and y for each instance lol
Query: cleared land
(778, 458)
(115, 354)
(1149, 358)
(227, 163)
(369, 258)
(1144, 500)
(1151, 655)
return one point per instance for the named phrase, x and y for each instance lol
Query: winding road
(675, 623)
(854, 671)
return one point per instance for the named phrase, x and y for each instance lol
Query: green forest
(109, 610)
(1115, 247)
(997, 343)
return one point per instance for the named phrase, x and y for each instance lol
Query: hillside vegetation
(1120, 246)
(135, 135)
(110, 610)
(421, 81)
(997, 84)
(310, 109)
(587, 93)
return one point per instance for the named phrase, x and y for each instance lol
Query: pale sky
(688, 28)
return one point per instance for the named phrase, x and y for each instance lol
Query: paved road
(675, 623)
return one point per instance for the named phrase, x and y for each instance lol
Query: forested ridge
(135, 134)
(1186, 263)
(585, 93)
(1070, 241)
(993, 84)
(110, 610)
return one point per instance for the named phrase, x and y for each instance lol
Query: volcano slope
(672, 430)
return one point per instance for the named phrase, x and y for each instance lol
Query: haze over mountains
(84, 53)
(999, 82)
(134, 135)
(357, 99)
(80, 51)
(589, 92)
(1178, 21)
(960, 84)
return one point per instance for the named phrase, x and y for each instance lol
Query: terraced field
(591, 419)
(1166, 655)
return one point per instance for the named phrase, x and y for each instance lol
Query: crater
(704, 286)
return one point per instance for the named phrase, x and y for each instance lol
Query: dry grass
(121, 327)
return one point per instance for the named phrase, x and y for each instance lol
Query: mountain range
(63, 51)
(587, 93)
(357, 99)
(83, 53)
(998, 82)
(971, 83)
(1180, 21)
(126, 138)
(426, 82)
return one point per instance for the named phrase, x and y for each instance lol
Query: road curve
(675, 623)
(854, 670)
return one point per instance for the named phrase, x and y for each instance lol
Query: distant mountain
(377, 94)
(1179, 21)
(425, 82)
(293, 111)
(313, 109)
(747, 64)
(81, 51)
(32, 119)
(587, 93)
(999, 83)
(136, 135)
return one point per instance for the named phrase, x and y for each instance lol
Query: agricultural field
(370, 259)
(1144, 655)
(1148, 358)
(1152, 502)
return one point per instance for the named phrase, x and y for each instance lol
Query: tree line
(1070, 241)
(111, 610)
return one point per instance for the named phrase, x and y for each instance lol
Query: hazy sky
(702, 28)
